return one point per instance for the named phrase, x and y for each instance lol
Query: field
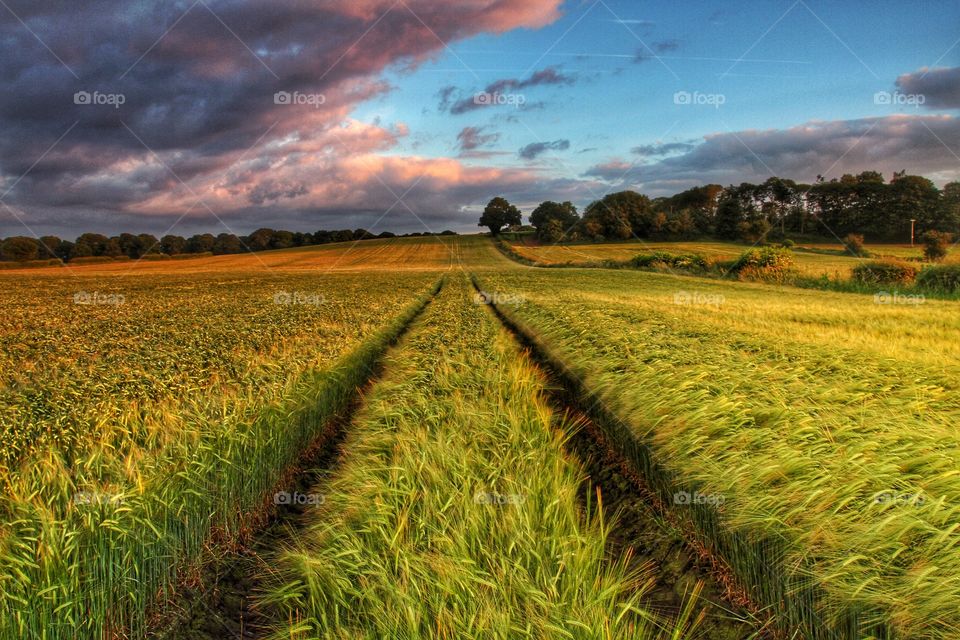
(456, 509)
(799, 447)
(824, 424)
(137, 405)
(812, 259)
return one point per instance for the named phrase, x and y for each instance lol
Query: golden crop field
(802, 443)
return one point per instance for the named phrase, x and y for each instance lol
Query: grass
(456, 512)
(825, 422)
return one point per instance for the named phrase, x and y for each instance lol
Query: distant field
(810, 262)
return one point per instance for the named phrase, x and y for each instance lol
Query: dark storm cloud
(535, 149)
(940, 87)
(115, 104)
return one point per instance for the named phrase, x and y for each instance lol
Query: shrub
(665, 260)
(853, 245)
(768, 265)
(936, 245)
(788, 244)
(940, 278)
(885, 272)
(98, 259)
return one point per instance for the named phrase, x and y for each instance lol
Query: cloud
(535, 149)
(657, 48)
(940, 86)
(917, 143)
(199, 123)
(471, 138)
(496, 93)
(662, 149)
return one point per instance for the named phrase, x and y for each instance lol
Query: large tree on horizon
(499, 213)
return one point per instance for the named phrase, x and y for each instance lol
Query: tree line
(89, 245)
(862, 204)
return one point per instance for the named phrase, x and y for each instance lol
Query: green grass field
(812, 259)
(804, 443)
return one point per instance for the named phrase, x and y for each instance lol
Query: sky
(192, 116)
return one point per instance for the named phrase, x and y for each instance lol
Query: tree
(147, 244)
(755, 230)
(200, 243)
(498, 214)
(620, 215)
(50, 247)
(343, 235)
(227, 243)
(129, 244)
(173, 245)
(730, 213)
(563, 214)
(260, 240)
(94, 242)
(20, 249)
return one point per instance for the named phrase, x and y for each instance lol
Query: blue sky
(777, 65)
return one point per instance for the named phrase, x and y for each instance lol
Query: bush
(31, 264)
(936, 245)
(98, 259)
(788, 244)
(885, 272)
(665, 260)
(767, 265)
(940, 278)
(853, 245)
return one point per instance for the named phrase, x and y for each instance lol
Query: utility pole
(913, 221)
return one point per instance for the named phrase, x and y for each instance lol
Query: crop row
(456, 512)
(159, 422)
(812, 448)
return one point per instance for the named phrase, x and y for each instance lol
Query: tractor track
(217, 600)
(640, 525)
